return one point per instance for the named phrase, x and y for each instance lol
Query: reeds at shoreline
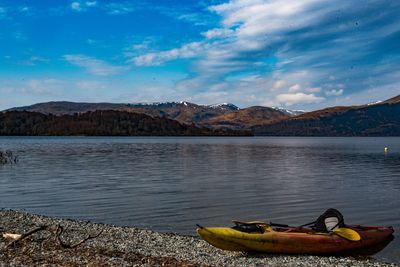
(8, 157)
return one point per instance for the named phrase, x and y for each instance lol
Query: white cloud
(80, 6)
(295, 88)
(291, 99)
(40, 87)
(76, 6)
(334, 92)
(268, 17)
(25, 10)
(154, 59)
(94, 66)
(91, 3)
(280, 84)
(314, 90)
(239, 44)
(119, 8)
(90, 85)
(34, 60)
(295, 52)
(113, 8)
(149, 94)
(141, 46)
(218, 33)
(194, 18)
(209, 97)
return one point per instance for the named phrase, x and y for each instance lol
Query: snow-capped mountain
(290, 112)
(216, 115)
(228, 106)
(379, 118)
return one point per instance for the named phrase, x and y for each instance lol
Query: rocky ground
(123, 246)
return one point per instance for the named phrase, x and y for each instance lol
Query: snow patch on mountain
(290, 112)
(224, 106)
(374, 103)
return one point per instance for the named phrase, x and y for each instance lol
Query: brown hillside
(183, 112)
(98, 123)
(394, 100)
(382, 119)
(245, 118)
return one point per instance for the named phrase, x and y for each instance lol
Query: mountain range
(380, 118)
(217, 116)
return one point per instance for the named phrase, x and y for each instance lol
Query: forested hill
(99, 123)
(224, 115)
(381, 119)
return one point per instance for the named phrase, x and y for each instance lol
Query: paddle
(347, 233)
(344, 232)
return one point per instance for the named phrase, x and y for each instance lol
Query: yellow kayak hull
(296, 241)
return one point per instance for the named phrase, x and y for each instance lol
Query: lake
(172, 183)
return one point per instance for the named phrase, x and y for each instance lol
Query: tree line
(100, 123)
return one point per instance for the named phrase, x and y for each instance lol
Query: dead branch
(16, 238)
(27, 234)
(59, 231)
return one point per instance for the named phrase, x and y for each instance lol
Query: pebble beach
(129, 246)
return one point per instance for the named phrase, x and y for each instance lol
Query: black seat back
(329, 220)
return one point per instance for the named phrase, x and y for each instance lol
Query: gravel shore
(128, 246)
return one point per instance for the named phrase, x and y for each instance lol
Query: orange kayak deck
(299, 240)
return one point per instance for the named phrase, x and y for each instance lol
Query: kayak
(261, 237)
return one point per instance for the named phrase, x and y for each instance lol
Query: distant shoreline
(189, 119)
(102, 123)
(128, 246)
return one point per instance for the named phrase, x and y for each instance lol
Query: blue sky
(299, 54)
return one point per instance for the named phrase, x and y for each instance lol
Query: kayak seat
(330, 220)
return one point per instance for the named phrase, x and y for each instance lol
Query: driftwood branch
(19, 238)
(60, 230)
(16, 238)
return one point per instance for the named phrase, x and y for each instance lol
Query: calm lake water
(170, 184)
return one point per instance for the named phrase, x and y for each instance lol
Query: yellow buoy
(386, 150)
